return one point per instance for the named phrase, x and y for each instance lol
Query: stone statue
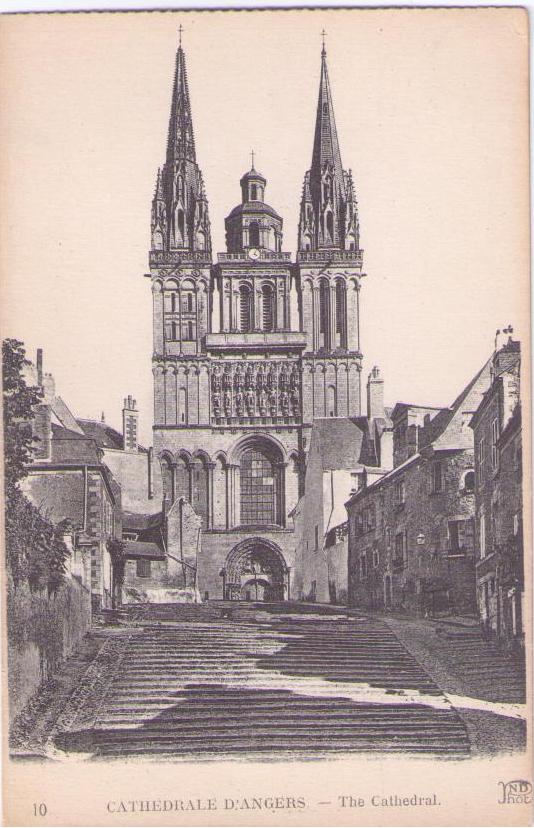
(272, 403)
(216, 380)
(216, 402)
(250, 401)
(284, 403)
(239, 403)
(227, 403)
(227, 379)
(238, 378)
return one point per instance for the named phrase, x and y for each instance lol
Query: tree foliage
(20, 400)
(35, 549)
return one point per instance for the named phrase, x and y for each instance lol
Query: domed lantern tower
(253, 224)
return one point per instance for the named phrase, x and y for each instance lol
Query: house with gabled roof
(411, 531)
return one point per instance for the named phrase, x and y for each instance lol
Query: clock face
(254, 253)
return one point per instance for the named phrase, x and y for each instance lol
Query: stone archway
(255, 570)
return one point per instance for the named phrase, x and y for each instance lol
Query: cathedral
(251, 346)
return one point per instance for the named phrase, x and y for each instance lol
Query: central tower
(249, 350)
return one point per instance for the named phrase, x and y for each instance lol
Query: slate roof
(148, 527)
(70, 447)
(347, 442)
(104, 435)
(143, 549)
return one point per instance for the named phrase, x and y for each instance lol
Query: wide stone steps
(191, 684)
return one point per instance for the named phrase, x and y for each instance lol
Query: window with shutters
(245, 310)
(461, 537)
(267, 308)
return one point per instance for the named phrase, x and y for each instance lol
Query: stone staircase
(482, 666)
(220, 680)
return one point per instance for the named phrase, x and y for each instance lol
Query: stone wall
(42, 631)
(402, 555)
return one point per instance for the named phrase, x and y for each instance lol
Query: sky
(431, 111)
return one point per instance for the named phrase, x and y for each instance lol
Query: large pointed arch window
(267, 299)
(258, 478)
(245, 308)
(341, 313)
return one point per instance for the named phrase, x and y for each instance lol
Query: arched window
(267, 308)
(330, 225)
(187, 302)
(468, 481)
(253, 234)
(181, 405)
(181, 479)
(253, 192)
(325, 109)
(341, 314)
(331, 401)
(258, 477)
(173, 302)
(199, 490)
(324, 314)
(245, 309)
(181, 227)
(167, 481)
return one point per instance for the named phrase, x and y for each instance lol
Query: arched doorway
(255, 570)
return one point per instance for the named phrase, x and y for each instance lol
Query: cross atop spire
(181, 143)
(180, 30)
(323, 35)
(325, 145)
(252, 158)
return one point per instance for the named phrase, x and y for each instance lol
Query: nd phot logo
(519, 791)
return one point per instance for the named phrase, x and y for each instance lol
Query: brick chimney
(130, 421)
(375, 394)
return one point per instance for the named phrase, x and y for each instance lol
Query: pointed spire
(181, 141)
(158, 194)
(325, 145)
(329, 209)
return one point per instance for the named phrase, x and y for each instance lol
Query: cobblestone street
(271, 681)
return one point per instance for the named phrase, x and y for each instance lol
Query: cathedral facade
(250, 347)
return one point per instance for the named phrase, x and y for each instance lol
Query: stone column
(294, 321)
(353, 316)
(215, 321)
(280, 321)
(280, 505)
(316, 317)
(211, 512)
(158, 317)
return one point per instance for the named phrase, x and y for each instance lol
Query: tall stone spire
(328, 198)
(181, 141)
(326, 152)
(180, 218)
